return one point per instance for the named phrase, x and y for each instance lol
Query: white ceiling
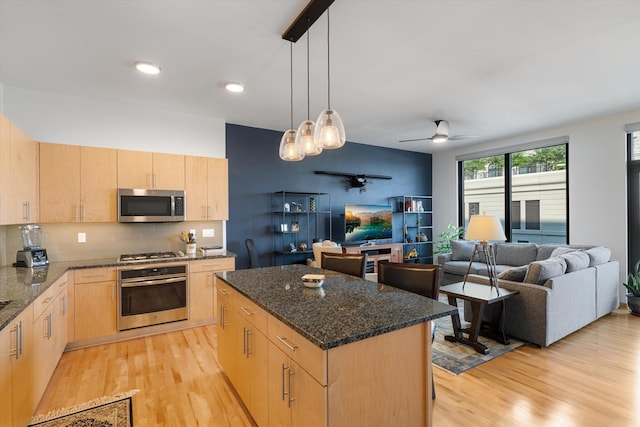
(492, 68)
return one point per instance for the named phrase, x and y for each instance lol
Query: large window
(535, 190)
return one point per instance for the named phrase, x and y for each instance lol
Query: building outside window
(537, 181)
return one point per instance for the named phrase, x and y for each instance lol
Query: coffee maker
(31, 254)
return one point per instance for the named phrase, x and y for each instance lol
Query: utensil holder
(190, 248)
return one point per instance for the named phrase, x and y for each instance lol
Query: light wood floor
(591, 378)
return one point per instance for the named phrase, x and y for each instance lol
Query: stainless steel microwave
(140, 205)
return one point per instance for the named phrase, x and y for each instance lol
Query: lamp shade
(330, 130)
(290, 149)
(484, 228)
(305, 136)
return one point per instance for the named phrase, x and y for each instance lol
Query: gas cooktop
(149, 256)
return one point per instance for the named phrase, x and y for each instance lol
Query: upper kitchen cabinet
(77, 183)
(207, 188)
(18, 175)
(141, 169)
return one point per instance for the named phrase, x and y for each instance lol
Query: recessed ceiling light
(147, 67)
(234, 87)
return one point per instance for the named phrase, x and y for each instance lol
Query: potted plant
(443, 245)
(633, 288)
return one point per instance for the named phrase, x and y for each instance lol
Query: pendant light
(291, 149)
(307, 129)
(329, 127)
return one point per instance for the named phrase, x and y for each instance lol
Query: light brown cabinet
(202, 280)
(207, 186)
(94, 303)
(226, 330)
(19, 352)
(18, 175)
(6, 383)
(77, 183)
(50, 334)
(141, 169)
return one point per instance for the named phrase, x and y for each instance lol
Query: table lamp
(484, 228)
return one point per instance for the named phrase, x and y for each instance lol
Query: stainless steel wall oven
(151, 294)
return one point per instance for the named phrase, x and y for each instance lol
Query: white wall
(66, 119)
(597, 181)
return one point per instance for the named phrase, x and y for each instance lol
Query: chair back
(422, 279)
(254, 262)
(352, 264)
(325, 246)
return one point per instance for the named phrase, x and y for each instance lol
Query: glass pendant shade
(306, 137)
(330, 130)
(291, 149)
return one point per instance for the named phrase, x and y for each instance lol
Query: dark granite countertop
(20, 286)
(345, 309)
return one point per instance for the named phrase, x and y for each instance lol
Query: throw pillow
(461, 250)
(576, 260)
(598, 255)
(540, 271)
(514, 274)
(561, 250)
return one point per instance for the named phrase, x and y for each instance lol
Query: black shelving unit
(415, 214)
(299, 219)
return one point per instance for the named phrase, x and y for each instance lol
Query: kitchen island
(351, 352)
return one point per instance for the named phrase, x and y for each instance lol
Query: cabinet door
(98, 184)
(168, 171)
(6, 384)
(196, 186)
(135, 169)
(225, 328)
(60, 322)
(24, 401)
(279, 388)
(201, 295)
(59, 183)
(43, 349)
(308, 407)
(94, 310)
(218, 199)
(18, 175)
(253, 386)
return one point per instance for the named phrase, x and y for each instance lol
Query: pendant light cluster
(328, 131)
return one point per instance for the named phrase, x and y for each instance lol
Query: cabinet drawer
(226, 294)
(91, 275)
(251, 312)
(307, 355)
(43, 302)
(215, 264)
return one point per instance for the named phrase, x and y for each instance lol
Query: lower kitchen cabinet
(16, 345)
(94, 303)
(295, 397)
(225, 330)
(202, 280)
(50, 334)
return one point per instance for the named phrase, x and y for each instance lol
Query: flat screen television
(367, 223)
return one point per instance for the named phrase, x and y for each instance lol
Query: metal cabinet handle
(46, 301)
(208, 211)
(282, 383)
(113, 291)
(14, 351)
(284, 341)
(248, 333)
(25, 211)
(64, 305)
(83, 211)
(248, 313)
(28, 210)
(222, 309)
(223, 292)
(19, 341)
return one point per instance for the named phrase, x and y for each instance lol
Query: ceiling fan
(441, 135)
(354, 180)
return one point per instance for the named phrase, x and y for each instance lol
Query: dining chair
(254, 262)
(422, 279)
(352, 264)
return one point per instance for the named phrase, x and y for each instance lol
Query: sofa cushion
(461, 250)
(539, 271)
(576, 260)
(544, 251)
(598, 255)
(515, 274)
(561, 250)
(516, 254)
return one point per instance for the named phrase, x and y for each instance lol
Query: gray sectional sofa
(562, 288)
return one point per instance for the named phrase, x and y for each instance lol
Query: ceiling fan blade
(459, 137)
(414, 140)
(376, 176)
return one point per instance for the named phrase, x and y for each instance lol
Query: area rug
(108, 411)
(457, 357)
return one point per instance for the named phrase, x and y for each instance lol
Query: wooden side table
(479, 296)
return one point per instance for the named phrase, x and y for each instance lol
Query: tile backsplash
(105, 240)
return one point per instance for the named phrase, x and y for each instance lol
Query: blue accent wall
(256, 171)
